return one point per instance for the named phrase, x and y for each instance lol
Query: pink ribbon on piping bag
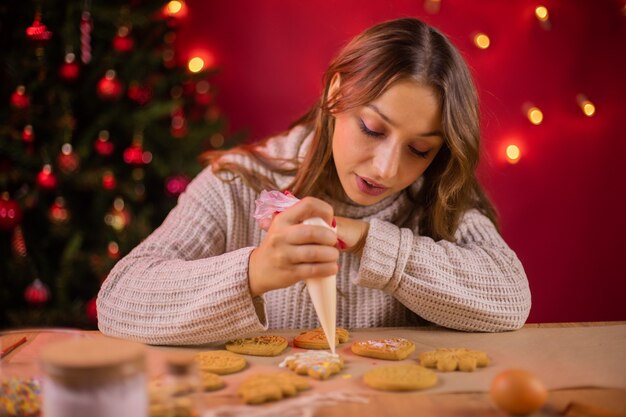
(272, 202)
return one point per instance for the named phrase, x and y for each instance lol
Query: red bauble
(37, 293)
(28, 135)
(58, 213)
(91, 310)
(122, 42)
(139, 94)
(38, 32)
(109, 87)
(108, 180)
(10, 213)
(135, 155)
(102, 145)
(70, 69)
(19, 98)
(176, 184)
(68, 161)
(46, 178)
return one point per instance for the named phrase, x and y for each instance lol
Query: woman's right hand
(293, 251)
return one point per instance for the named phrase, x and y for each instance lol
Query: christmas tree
(100, 132)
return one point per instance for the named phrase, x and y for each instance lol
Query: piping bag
(323, 291)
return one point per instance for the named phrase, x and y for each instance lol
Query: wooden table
(611, 400)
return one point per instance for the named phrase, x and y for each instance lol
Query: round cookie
(220, 362)
(394, 349)
(400, 378)
(258, 346)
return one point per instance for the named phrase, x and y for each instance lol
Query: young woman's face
(384, 146)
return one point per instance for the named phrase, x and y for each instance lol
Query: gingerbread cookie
(258, 346)
(220, 362)
(394, 349)
(452, 359)
(316, 339)
(260, 388)
(318, 365)
(400, 378)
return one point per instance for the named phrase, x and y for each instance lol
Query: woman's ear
(333, 87)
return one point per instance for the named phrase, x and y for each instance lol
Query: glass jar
(99, 377)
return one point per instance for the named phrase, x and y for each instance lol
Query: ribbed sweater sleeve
(181, 285)
(475, 284)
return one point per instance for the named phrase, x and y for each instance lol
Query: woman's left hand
(352, 233)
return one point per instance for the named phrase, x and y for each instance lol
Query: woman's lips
(369, 187)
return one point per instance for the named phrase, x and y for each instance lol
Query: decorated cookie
(316, 339)
(220, 362)
(318, 365)
(394, 349)
(263, 387)
(400, 378)
(452, 359)
(258, 346)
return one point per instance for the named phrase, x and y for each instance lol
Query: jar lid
(92, 359)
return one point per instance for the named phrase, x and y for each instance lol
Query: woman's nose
(387, 161)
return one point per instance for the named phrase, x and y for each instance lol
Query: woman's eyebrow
(394, 124)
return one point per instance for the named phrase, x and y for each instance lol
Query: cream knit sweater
(187, 283)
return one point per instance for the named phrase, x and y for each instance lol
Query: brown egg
(518, 392)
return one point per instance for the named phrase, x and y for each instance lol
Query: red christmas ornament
(10, 212)
(38, 33)
(113, 250)
(135, 155)
(37, 293)
(46, 178)
(91, 310)
(109, 87)
(179, 124)
(68, 161)
(122, 42)
(28, 135)
(19, 99)
(102, 145)
(203, 96)
(58, 213)
(108, 181)
(176, 184)
(139, 94)
(70, 69)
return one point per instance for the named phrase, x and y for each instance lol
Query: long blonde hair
(399, 49)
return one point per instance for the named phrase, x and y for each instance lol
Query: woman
(388, 155)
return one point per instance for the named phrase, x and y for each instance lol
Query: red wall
(563, 206)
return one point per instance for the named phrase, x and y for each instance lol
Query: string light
(533, 113)
(513, 154)
(482, 41)
(541, 13)
(196, 64)
(588, 108)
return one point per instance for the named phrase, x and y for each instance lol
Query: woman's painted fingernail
(287, 192)
(342, 244)
(334, 223)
